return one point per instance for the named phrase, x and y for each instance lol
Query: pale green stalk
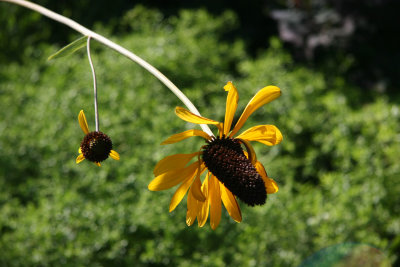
(96, 111)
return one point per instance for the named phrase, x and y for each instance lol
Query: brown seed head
(96, 146)
(224, 157)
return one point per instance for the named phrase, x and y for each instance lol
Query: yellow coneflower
(96, 146)
(232, 171)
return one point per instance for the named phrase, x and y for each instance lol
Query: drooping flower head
(96, 146)
(233, 170)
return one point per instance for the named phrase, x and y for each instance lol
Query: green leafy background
(337, 167)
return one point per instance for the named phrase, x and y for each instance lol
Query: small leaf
(70, 49)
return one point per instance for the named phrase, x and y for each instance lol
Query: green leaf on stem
(70, 48)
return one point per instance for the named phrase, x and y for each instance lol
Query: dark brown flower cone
(224, 157)
(96, 146)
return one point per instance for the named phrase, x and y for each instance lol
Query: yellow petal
(83, 122)
(204, 206)
(231, 105)
(264, 96)
(261, 170)
(114, 155)
(192, 208)
(169, 179)
(251, 154)
(186, 134)
(196, 186)
(172, 162)
(80, 150)
(215, 202)
(98, 164)
(80, 158)
(270, 185)
(188, 116)
(179, 194)
(230, 203)
(220, 127)
(266, 134)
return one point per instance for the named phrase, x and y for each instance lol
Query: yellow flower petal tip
(82, 122)
(271, 185)
(151, 187)
(188, 116)
(172, 178)
(279, 136)
(229, 85)
(184, 135)
(265, 134)
(114, 155)
(169, 163)
(80, 158)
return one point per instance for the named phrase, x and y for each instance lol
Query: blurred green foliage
(337, 167)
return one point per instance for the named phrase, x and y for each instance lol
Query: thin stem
(79, 28)
(96, 111)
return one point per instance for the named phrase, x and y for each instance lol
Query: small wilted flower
(96, 146)
(232, 171)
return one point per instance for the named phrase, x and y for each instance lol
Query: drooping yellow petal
(180, 193)
(251, 154)
(192, 208)
(83, 122)
(270, 185)
(188, 116)
(80, 158)
(196, 186)
(231, 105)
(114, 155)
(264, 96)
(172, 162)
(266, 134)
(230, 203)
(169, 179)
(203, 206)
(186, 134)
(215, 202)
(261, 170)
(97, 163)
